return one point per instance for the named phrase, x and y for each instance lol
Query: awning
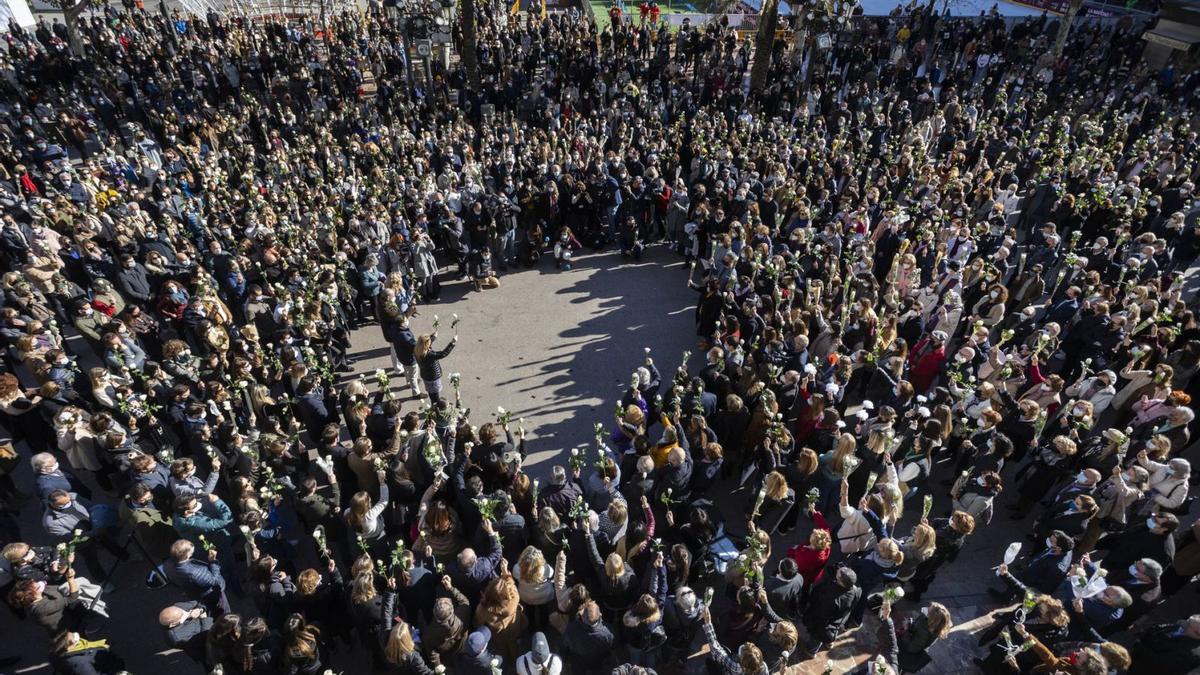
(1173, 34)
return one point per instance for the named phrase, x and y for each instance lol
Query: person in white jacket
(1097, 390)
(861, 527)
(539, 660)
(365, 518)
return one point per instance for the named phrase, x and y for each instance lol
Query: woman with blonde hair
(429, 364)
(933, 623)
(771, 503)
(779, 648)
(880, 566)
(401, 652)
(811, 557)
(835, 466)
(535, 584)
(752, 557)
(629, 426)
(366, 518)
(500, 610)
(618, 582)
(917, 548)
(908, 275)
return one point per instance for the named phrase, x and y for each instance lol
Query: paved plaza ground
(557, 348)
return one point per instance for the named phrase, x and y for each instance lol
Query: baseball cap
(477, 641)
(541, 649)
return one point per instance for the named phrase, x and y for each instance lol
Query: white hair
(41, 460)
(558, 475)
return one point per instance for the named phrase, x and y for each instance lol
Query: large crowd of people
(940, 278)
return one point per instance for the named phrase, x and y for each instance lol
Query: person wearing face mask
(1070, 516)
(91, 324)
(1050, 464)
(924, 630)
(1074, 420)
(1153, 539)
(975, 496)
(1097, 390)
(1045, 391)
(49, 477)
(1141, 384)
(1142, 580)
(133, 280)
(1169, 484)
(1042, 572)
(65, 513)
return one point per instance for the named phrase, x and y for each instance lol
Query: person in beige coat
(1115, 496)
(500, 610)
(1151, 384)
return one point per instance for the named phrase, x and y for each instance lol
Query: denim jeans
(505, 248)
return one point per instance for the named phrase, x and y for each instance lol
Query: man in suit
(200, 580)
(1064, 310)
(784, 590)
(185, 627)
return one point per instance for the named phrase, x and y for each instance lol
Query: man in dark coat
(829, 608)
(561, 494)
(1046, 570)
(587, 642)
(471, 572)
(1167, 648)
(200, 580)
(311, 406)
(785, 590)
(1142, 541)
(185, 627)
(133, 281)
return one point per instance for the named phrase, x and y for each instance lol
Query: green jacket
(154, 531)
(211, 526)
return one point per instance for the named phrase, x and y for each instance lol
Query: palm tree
(764, 44)
(1064, 27)
(470, 58)
(72, 12)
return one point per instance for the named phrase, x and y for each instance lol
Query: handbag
(9, 459)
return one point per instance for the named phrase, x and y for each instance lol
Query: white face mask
(1045, 387)
(1082, 477)
(1151, 523)
(1133, 570)
(1049, 542)
(994, 295)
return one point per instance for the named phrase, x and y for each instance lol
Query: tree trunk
(71, 16)
(470, 58)
(764, 45)
(1064, 27)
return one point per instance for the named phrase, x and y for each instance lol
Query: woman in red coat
(927, 360)
(811, 557)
